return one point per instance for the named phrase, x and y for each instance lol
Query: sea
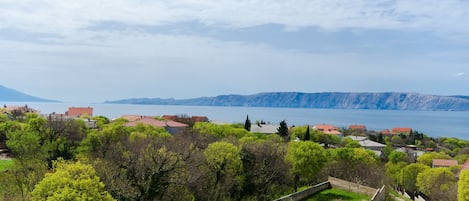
(431, 123)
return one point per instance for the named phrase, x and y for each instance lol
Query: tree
(71, 181)
(307, 159)
(427, 158)
(463, 186)
(282, 130)
(397, 156)
(355, 164)
(437, 183)
(409, 176)
(265, 170)
(247, 124)
(225, 162)
(307, 134)
(394, 172)
(29, 165)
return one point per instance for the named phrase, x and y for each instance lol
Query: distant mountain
(331, 100)
(11, 95)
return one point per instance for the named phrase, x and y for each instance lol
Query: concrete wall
(352, 187)
(380, 194)
(301, 195)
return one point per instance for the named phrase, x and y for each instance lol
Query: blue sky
(96, 50)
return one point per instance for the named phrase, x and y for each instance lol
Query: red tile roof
(357, 127)
(402, 130)
(78, 111)
(327, 129)
(444, 163)
(199, 118)
(169, 117)
(132, 117)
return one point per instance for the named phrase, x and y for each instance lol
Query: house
(79, 111)
(357, 127)
(132, 118)
(327, 129)
(172, 127)
(443, 163)
(199, 119)
(368, 144)
(399, 131)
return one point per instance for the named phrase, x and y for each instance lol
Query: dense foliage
(62, 159)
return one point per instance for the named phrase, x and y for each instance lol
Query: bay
(432, 123)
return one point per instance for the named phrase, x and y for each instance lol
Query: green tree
(397, 156)
(307, 159)
(247, 124)
(437, 183)
(265, 170)
(427, 158)
(307, 134)
(29, 165)
(394, 171)
(463, 186)
(224, 160)
(282, 130)
(71, 181)
(409, 176)
(355, 164)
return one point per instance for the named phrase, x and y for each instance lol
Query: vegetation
(6, 165)
(54, 157)
(337, 194)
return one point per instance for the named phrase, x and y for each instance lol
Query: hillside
(330, 100)
(11, 95)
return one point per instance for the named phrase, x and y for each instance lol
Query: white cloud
(58, 16)
(458, 74)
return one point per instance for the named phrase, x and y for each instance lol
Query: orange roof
(332, 132)
(357, 127)
(325, 127)
(78, 111)
(132, 117)
(444, 163)
(402, 130)
(199, 118)
(169, 117)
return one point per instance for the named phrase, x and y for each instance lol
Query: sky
(97, 50)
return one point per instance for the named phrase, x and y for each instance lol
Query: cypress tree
(307, 135)
(247, 123)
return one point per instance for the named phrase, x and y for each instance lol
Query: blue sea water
(432, 123)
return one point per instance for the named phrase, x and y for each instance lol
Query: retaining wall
(301, 195)
(352, 187)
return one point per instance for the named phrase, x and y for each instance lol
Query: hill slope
(332, 100)
(11, 95)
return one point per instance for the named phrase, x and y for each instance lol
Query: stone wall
(352, 187)
(380, 194)
(301, 195)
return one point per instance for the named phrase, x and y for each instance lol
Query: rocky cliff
(332, 100)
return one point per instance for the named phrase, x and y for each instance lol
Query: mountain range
(11, 95)
(329, 100)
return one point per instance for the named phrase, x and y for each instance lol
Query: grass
(337, 194)
(6, 164)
